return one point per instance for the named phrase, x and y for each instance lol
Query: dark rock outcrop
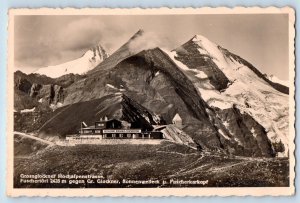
(240, 134)
(189, 55)
(38, 90)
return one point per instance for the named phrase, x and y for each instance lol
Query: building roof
(177, 118)
(89, 127)
(111, 119)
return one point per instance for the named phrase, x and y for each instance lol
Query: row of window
(91, 131)
(114, 135)
(118, 135)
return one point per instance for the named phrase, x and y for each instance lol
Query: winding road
(34, 137)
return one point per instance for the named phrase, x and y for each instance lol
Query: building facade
(177, 121)
(112, 129)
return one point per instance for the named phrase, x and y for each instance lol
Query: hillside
(156, 162)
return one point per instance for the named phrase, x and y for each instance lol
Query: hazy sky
(49, 40)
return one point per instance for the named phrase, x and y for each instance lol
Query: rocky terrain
(226, 105)
(36, 90)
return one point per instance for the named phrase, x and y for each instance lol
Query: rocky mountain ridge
(40, 91)
(240, 86)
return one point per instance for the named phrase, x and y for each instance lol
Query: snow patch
(220, 104)
(170, 106)
(201, 75)
(238, 141)
(172, 55)
(59, 104)
(253, 132)
(28, 110)
(226, 124)
(56, 106)
(156, 118)
(111, 86)
(223, 134)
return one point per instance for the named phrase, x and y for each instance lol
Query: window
(87, 131)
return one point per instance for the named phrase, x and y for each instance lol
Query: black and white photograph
(166, 100)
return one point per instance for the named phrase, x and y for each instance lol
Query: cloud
(81, 34)
(45, 41)
(86, 32)
(148, 40)
(49, 40)
(33, 55)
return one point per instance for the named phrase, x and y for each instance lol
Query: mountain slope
(126, 50)
(226, 81)
(88, 61)
(155, 81)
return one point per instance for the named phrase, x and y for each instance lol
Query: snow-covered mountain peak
(203, 42)
(207, 47)
(98, 52)
(136, 43)
(200, 38)
(225, 80)
(89, 60)
(98, 46)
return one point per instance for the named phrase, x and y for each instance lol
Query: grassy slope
(163, 161)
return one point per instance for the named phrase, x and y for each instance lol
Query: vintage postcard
(151, 102)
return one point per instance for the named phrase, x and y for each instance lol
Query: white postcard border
(153, 192)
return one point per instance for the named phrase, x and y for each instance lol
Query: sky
(261, 39)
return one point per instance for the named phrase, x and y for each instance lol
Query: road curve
(34, 137)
